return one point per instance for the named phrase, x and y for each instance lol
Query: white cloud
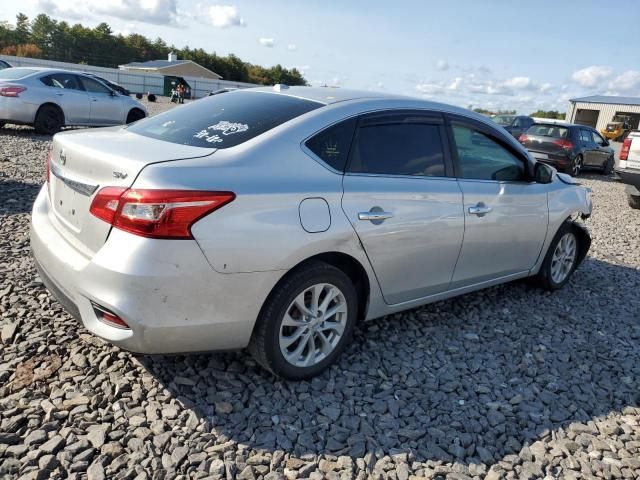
(220, 16)
(626, 83)
(442, 65)
(592, 76)
(292, 47)
(159, 12)
(267, 42)
(519, 83)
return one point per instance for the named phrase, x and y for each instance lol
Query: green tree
(23, 30)
(554, 114)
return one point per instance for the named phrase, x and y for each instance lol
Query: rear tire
(634, 201)
(2, 124)
(575, 167)
(293, 338)
(49, 120)
(562, 258)
(135, 115)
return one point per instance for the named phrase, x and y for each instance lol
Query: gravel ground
(510, 382)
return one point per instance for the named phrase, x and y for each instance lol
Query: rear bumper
(16, 110)
(631, 177)
(559, 161)
(166, 291)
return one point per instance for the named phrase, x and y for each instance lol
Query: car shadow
(17, 197)
(470, 379)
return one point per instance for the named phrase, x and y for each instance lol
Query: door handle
(480, 209)
(94, 99)
(59, 94)
(374, 216)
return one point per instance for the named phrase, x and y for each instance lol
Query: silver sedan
(50, 99)
(278, 218)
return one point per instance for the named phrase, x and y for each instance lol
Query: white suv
(629, 167)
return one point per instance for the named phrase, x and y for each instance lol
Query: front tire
(306, 322)
(135, 115)
(634, 201)
(562, 258)
(608, 167)
(49, 120)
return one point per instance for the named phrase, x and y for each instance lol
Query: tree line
(553, 114)
(47, 38)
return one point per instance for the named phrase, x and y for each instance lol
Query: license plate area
(65, 204)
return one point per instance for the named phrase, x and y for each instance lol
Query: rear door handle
(374, 216)
(94, 99)
(59, 94)
(480, 209)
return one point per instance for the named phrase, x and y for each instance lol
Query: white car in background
(50, 99)
(628, 168)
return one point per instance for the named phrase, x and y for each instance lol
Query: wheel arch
(54, 105)
(343, 261)
(135, 109)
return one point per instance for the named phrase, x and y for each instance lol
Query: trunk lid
(550, 139)
(83, 162)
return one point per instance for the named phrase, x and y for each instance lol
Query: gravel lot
(510, 382)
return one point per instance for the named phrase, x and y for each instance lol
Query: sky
(494, 54)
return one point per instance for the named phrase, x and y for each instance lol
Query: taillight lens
(156, 213)
(11, 91)
(624, 152)
(565, 144)
(523, 138)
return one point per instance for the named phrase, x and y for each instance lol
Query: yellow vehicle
(617, 129)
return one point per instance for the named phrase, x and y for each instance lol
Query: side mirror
(113, 93)
(542, 173)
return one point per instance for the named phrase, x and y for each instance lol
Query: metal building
(598, 110)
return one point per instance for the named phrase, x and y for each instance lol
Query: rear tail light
(523, 138)
(11, 91)
(565, 144)
(624, 152)
(156, 213)
(108, 317)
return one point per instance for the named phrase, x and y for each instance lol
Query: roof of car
(326, 95)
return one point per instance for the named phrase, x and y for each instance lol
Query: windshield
(553, 131)
(504, 120)
(15, 73)
(225, 120)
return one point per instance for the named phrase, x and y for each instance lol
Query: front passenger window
(482, 158)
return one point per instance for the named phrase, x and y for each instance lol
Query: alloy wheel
(564, 257)
(313, 324)
(576, 166)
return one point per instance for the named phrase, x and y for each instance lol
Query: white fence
(135, 82)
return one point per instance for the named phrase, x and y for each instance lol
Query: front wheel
(306, 322)
(562, 258)
(634, 201)
(608, 167)
(135, 115)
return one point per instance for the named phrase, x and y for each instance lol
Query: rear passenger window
(585, 136)
(332, 145)
(399, 149)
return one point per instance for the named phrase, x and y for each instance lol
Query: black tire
(544, 278)
(49, 120)
(135, 115)
(608, 167)
(634, 201)
(265, 341)
(2, 124)
(575, 167)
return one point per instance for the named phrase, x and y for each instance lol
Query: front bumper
(165, 290)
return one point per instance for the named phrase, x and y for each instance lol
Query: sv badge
(121, 175)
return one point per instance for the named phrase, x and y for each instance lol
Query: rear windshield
(224, 121)
(15, 73)
(504, 120)
(553, 131)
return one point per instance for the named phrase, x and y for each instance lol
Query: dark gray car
(516, 125)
